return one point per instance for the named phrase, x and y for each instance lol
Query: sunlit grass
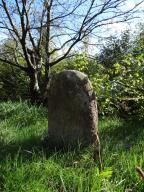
(25, 165)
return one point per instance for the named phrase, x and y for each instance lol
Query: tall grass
(25, 165)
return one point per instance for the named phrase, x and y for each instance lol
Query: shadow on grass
(25, 148)
(128, 134)
(32, 147)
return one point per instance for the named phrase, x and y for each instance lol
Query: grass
(25, 165)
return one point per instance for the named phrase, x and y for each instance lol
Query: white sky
(120, 27)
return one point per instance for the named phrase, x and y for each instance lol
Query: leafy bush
(122, 94)
(116, 74)
(13, 83)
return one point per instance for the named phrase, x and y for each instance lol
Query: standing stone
(72, 110)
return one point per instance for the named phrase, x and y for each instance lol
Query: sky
(118, 27)
(132, 25)
(115, 28)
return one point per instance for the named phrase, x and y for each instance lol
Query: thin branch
(10, 19)
(13, 64)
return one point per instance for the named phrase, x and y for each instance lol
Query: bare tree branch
(14, 65)
(46, 32)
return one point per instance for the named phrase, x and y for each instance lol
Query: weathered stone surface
(72, 110)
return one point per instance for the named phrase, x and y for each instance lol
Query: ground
(26, 165)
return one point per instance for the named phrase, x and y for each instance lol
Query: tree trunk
(34, 87)
(46, 84)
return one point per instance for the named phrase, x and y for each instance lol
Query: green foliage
(122, 81)
(116, 74)
(26, 166)
(13, 83)
(119, 89)
(114, 50)
(130, 80)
